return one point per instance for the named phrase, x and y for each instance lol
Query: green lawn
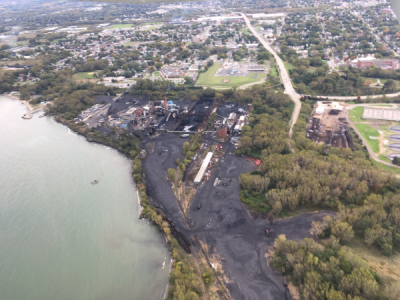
(383, 81)
(208, 78)
(289, 66)
(56, 41)
(356, 113)
(367, 132)
(373, 79)
(83, 75)
(311, 70)
(132, 44)
(384, 158)
(389, 105)
(245, 30)
(274, 72)
(261, 75)
(116, 26)
(386, 167)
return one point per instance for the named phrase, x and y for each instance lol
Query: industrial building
(366, 62)
(256, 68)
(168, 73)
(239, 125)
(203, 168)
(232, 119)
(222, 132)
(328, 125)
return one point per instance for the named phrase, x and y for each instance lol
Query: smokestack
(166, 104)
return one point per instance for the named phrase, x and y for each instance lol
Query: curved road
(289, 90)
(371, 153)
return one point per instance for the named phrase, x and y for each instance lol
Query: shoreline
(161, 292)
(141, 207)
(27, 105)
(139, 200)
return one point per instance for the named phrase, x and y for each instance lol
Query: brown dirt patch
(294, 291)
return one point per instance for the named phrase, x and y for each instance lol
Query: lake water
(62, 238)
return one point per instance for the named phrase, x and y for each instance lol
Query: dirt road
(223, 223)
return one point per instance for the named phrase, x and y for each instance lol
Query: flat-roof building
(203, 168)
(256, 68)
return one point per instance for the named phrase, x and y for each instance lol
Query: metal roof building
(203, 168)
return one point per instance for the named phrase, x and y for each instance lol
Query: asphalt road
(350, 98)
(289, 90)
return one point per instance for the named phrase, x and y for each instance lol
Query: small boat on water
(95, 182)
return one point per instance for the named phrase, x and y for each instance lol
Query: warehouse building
(203, 168)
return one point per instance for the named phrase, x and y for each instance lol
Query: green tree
(342, 230)
(185, 147)
(158, 65)
(171, 174)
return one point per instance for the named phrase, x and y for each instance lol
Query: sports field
(83, 75)
(370, 134)
(116, 26)
(356, 113)
(208, 78)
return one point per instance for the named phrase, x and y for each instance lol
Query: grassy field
(356, 113)
(384, 158)
(311, 69)
(367, 132)
(83, 75)
(386, 267)
(116, 26)
(386, 167)
(289, 66)
(383, 81)
(274, 72)
(373, 79)
(56, 41)
(132, 44)
(245, 30)
(21, 62)
(389, 105)
(208, 78)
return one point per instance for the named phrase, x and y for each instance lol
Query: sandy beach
(30, 108)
